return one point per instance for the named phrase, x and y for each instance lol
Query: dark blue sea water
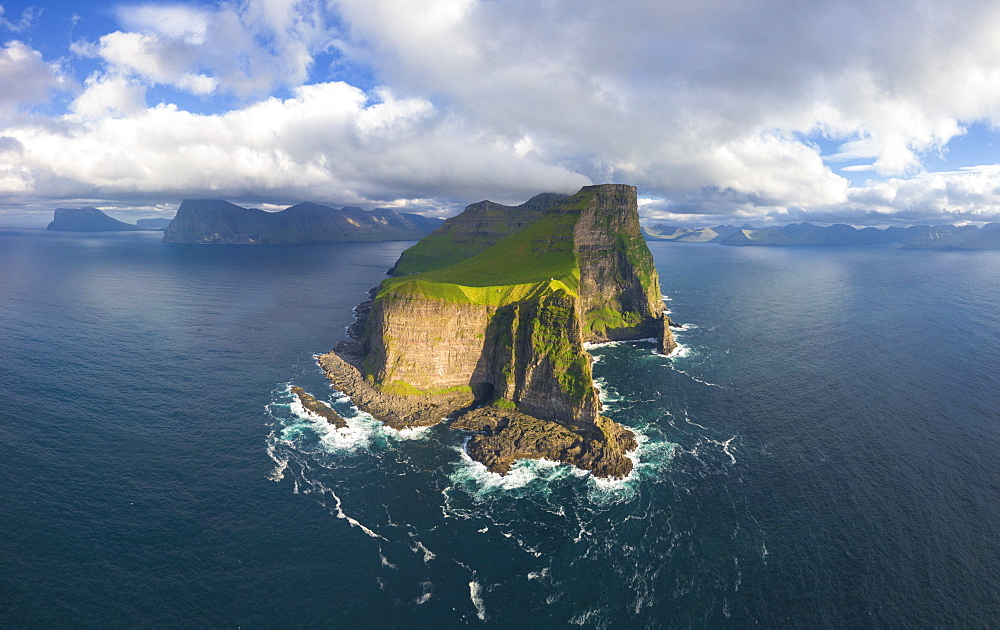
(823, 453)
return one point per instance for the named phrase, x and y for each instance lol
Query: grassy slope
(456, 242)
(538, 257)
(436, 251)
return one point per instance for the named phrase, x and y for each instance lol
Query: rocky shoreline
(501, 436)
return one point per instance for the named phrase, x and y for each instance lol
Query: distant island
(87, 220)
(486, 319)
(214, 221)
(941, 237)
(93, 220)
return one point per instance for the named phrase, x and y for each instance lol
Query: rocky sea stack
(486, 321)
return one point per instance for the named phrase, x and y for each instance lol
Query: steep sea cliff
(496, 339)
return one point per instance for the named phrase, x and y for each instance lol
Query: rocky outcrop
(87, 220)
(397, 411)
(319, 407)
(504, 436)
(504, 330)
(213, 221)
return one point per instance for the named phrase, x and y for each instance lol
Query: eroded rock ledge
(398, 412)
(507, 435)
(502, 435)
(318, 407)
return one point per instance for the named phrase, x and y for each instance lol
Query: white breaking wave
(679, 352)
(605, 393)
(427, 587)
(694, 378)
(476, 478)
(409, 433)
(604, 344)
(354, 522)
(419, 548)
(644, 340)
(477, 600)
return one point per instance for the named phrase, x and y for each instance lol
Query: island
(215, 221)
(939, 237)
(87, 220)
(485, 324)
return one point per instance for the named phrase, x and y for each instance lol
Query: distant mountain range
(213, 221)
(940, 237)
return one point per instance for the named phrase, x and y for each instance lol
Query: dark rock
(505, 436)
(319, 408)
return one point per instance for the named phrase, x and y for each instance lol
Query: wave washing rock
(318, 407)
(495, 340)
(87, 220)
(213, 221)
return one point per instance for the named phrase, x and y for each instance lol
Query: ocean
(822, 452)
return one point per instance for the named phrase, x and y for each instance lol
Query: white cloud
(679, 96)
(968, 195)
(329, 142)
(28, 16)
(107, 96)
(244, 48)
(708, 107)
(26, 78)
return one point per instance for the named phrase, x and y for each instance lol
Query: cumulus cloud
(680, 96)
(247, 49)
(329, 142)
(26, 78)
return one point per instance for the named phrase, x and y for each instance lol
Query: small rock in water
(319, 408)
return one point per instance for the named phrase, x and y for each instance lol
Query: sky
(734, 111)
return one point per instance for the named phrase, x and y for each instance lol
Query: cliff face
(209, 221)
(87, 220)
(619, 285)
(506, 327)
